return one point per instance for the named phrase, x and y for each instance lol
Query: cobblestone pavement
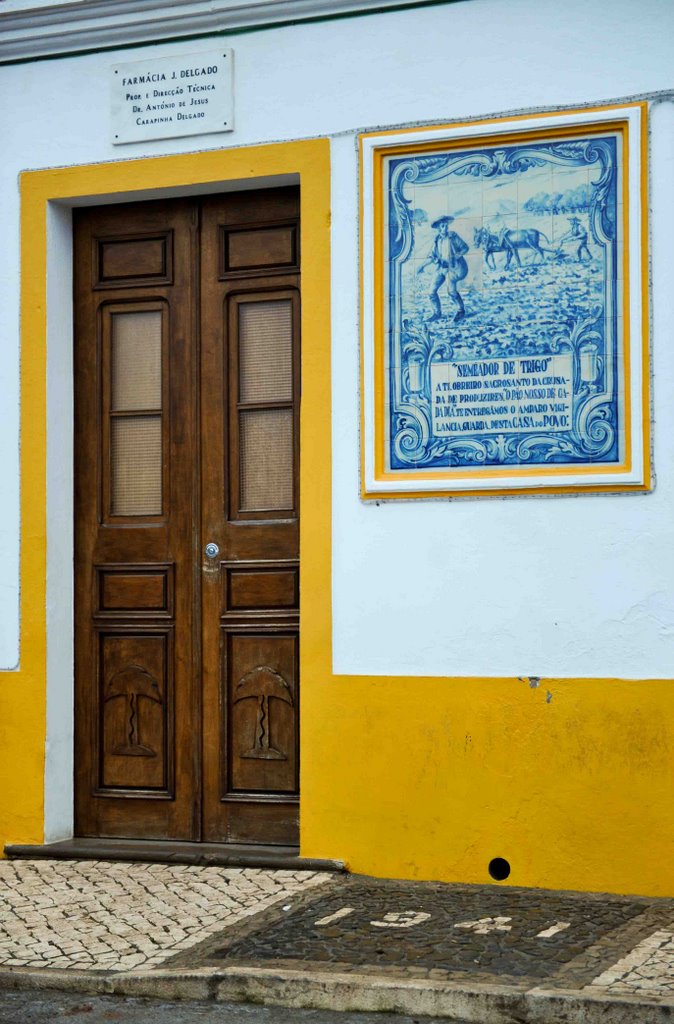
(457, 933)
(115, 916)
(223, 934)
(648, 968)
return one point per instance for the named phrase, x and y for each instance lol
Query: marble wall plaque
(504, 294)
(190, 94)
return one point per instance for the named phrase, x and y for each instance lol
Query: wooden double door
(186, 519)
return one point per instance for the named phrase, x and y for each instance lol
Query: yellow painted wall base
(432, 778)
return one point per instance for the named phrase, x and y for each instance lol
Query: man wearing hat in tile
(447, 256)
(578, 235)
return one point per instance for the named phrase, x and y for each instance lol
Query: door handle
(211, 550)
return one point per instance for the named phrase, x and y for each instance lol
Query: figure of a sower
(447, 256)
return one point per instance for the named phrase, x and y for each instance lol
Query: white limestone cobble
(649, 967)
(119, 917)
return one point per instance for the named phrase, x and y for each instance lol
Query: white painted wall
(9, 419)
(541, 586)
(59, 751)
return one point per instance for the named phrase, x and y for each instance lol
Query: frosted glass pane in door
(136, 466)
(266, 351)
(266, 459)
(136, 360)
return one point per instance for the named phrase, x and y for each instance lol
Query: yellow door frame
(23, 693)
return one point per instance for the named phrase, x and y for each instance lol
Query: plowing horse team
(509, 242)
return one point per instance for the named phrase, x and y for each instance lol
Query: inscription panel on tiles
(489, 396)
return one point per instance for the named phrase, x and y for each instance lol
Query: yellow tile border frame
(23, 705)
(378, 481)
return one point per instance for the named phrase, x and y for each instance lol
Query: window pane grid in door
(266, 459)
(266, 351)
(136, 360)
(136, 455)
(136, 466)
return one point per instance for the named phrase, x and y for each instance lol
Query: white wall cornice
(41, 28)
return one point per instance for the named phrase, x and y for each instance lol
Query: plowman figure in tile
(578, 235)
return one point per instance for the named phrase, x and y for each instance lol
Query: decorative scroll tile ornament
(504, 306)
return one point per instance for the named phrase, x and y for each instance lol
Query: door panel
(262, 700)
(137, 698)
(187, 428)
(250, 358)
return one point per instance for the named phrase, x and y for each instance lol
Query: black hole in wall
(499, 868)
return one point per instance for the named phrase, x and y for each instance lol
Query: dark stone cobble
(498, 934)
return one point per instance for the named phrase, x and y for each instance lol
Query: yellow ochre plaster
(569, 780)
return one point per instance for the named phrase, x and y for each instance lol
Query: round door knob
(212, 550)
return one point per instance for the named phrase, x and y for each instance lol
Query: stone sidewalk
(117, 916)
(483, 954)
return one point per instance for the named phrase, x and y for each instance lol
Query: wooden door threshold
(229, 855)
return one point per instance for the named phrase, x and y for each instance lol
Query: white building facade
(482, 676)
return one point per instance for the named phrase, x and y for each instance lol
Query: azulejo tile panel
(504, 305)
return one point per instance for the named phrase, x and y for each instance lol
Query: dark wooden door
(186, 529)
(250, 508)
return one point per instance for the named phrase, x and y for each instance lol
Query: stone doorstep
(470, 1003)
(280, 858)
